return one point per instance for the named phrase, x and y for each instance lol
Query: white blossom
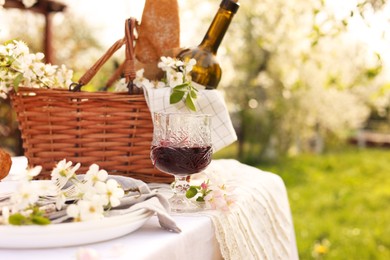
(29, 3)
(30, 173)
(5, 213)
(86, 210)
(220, 197)
(167, 63)
(121, 85)
(45, 188)
(60, 200)
(140, 80)
(111, 191)
(26, 196)
(159, 84)
(91, 195)
(175, 79)
(94, 175)
(63, 172)
(16, 61)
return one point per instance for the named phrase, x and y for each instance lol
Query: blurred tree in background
(299, 78)
(75, 45)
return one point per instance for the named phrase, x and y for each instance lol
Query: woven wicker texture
(113, 130)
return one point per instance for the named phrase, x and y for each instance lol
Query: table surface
(198, 240)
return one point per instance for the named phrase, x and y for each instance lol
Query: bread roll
(5, 164)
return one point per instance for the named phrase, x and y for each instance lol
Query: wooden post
(46, 8)
(48, 40)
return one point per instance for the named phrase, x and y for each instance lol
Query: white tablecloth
(263, 220)
(196, 241)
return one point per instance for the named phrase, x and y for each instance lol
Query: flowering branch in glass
(90, 197)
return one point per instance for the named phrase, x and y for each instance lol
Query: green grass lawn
(340, 202)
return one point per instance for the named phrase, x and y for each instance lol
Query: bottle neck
(219, 26)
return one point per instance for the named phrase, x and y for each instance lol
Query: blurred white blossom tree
(299, 73)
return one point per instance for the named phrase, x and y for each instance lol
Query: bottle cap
(230, 5)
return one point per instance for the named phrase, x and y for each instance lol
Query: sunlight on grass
(339, 201)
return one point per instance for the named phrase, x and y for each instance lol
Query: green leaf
(193, 94)
(18, 219)
(176, 96)
(40, 220)
(200, 199)
(181, 87)
(191, 192)
(17, 80)
(190, 103)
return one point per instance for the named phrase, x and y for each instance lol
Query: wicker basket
(113, 130)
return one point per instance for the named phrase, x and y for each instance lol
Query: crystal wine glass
(181, 146)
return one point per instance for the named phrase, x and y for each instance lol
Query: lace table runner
(260, 226)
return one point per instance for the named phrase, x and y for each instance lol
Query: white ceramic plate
(70, 234)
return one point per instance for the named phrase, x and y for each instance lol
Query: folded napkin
(140, 196)
(208, 102)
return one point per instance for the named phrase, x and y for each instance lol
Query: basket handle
(128, 67)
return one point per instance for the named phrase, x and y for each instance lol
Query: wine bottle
(207, 71)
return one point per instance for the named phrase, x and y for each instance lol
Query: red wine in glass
(181, 160)
(181, 146)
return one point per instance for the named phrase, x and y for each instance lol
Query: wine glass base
(182, 205)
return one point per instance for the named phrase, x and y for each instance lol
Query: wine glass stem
(181, 186)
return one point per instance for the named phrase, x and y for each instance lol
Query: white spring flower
(175, 79)
(63, 77)
(3, 90)
(140, 81)
(86, 210)
(189, 65)
(28, 174)
(166, 63)
(22, 63)
(45, 188)
(159, 84)
(111, 192)
(60, 199)
(49, 70)
(220, 198)
(29, 3)
(22, 68)
(26, 195)
(39, 69)
(95, 175)
(91, 196)
(5, 212)
(121, 85)
(20, 48)
(63, 172)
